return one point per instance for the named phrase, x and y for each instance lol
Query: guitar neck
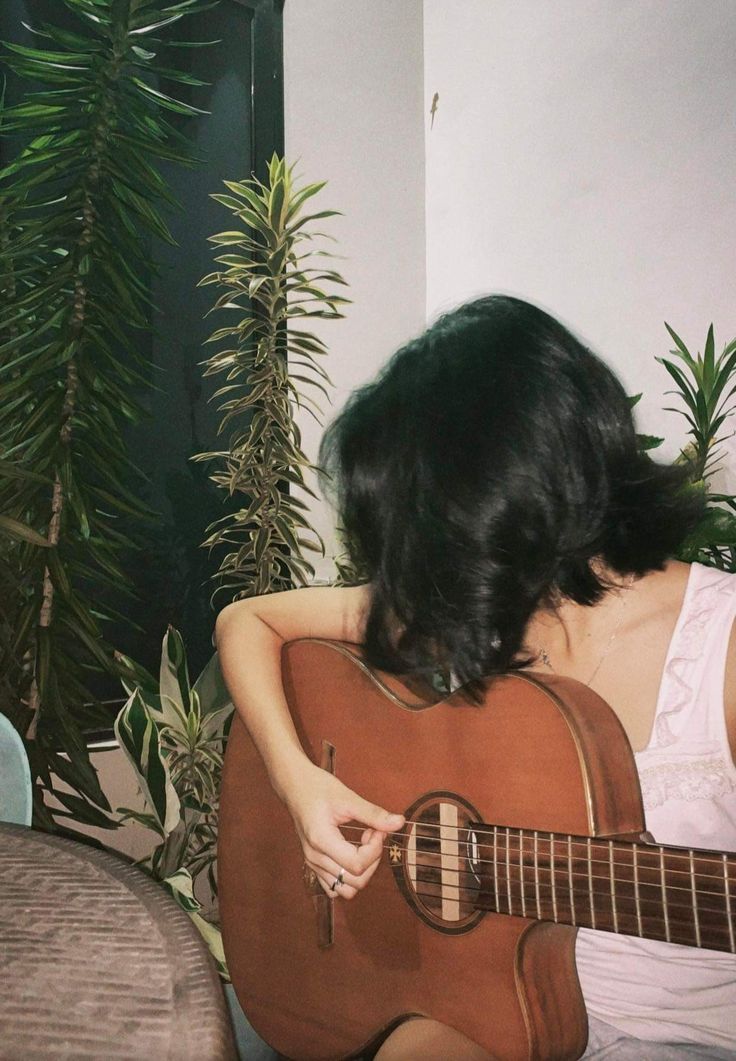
(636, 889)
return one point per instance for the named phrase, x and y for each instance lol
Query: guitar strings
(530, 900)
(562, 875)
(647, 850)
(558, 895)
(544, 836)
(601, 916)
(560, 882)
(564, 869)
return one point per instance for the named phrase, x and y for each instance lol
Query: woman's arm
(250, 636)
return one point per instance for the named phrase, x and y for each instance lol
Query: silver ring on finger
(338, 881)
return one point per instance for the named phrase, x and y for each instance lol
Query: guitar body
(322, 979)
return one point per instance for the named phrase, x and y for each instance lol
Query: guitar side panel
(549, 992)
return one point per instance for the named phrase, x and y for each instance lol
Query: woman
(491, 484)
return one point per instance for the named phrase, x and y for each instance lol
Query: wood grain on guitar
(524, 821)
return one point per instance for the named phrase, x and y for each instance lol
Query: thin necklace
(543, 654)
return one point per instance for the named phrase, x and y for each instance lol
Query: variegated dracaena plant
(273, 284)
(173, 734)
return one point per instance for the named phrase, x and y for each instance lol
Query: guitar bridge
(323, 906)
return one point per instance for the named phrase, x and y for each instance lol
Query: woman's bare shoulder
(671, 582)
(659, 595)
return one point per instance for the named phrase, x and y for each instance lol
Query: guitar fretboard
(637, 889)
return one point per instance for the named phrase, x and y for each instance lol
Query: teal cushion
(15, 777)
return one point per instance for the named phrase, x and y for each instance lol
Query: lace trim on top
(709, 778)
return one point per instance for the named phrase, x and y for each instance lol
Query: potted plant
(173, 738)
(76, 209)
(174, 734)
(271, 277)
(705, 384)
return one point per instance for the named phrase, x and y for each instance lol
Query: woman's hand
(255, 630)
(319, 804)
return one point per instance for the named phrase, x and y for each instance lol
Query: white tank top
(660, 991)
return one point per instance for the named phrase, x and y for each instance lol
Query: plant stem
(92, 185)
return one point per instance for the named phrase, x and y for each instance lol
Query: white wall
(354, 117)
(583, 156)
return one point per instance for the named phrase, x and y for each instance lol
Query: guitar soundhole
(439, 868)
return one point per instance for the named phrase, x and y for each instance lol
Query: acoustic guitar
(524, 820)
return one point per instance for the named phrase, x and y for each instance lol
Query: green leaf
(247, 192)
(83, 811)
(138, 737)
(683, 350)
(228, 201)
(168, 102)
(174, 675)
(148, 821)
(717, 528)
(709, 361)
(308, 218)
(276, 204)
(181, 886)
(77, 772)
(63, 59)
(225, 238)
(211, 688)
(21, 532)
(214, 721)
(133, 675)
(301, 197)
(213, 938)
(647, 442)
(687, 392)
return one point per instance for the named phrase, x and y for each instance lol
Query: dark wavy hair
(478, 476)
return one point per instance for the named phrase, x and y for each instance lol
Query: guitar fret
(569, 879)
(635, 856)
(536, 874)
(678, 895)
(663, 878)
(508, 868)
(552, 870)
(613, 886)
(590, 884)
(727, 890)
(521, 872)
(495, 867)
(694, 893)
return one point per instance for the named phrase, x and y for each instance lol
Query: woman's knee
(430, 1041)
